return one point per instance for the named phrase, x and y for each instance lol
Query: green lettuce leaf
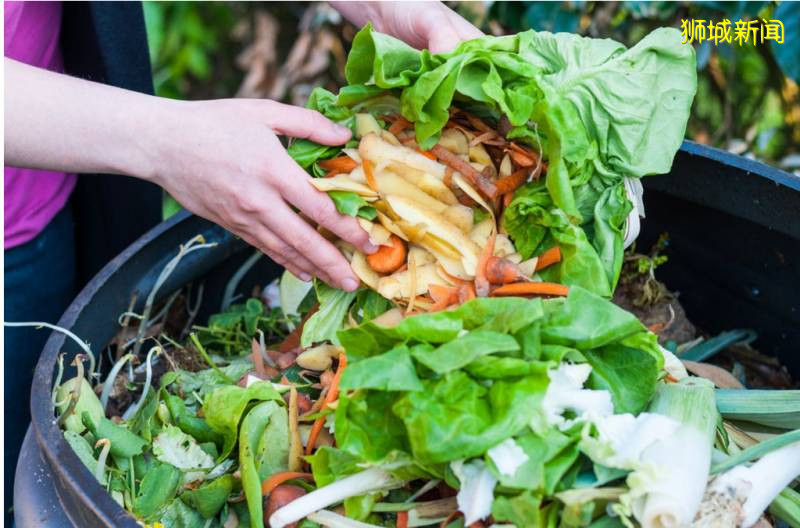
(458, 417)
(263, 450)
(351, 204)
(326, 322)
(392, 371)
(224, 408)
(464, 350)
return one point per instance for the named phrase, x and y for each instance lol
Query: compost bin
(734, 257)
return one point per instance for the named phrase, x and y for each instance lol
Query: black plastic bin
(734, 256)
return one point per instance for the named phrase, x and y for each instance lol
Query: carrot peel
(548, 258)
(369, 173)
(531, 288)
(481, 281)
(333, 393)
(340, 164)
(277, 479)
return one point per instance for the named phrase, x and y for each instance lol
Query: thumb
(444, 40)
(309, 124)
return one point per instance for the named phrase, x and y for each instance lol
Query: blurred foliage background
(747, 101)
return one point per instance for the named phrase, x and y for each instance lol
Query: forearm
(57, 122)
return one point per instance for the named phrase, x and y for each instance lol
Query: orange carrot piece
(388, 259)
(341, 164)
(273, 481)
(333, 393)
(513, 181)
(502, 271)
(481, 281)
(519, 289)
(369, 173)
(507, 199)
(443, 296)
(402, 519)
(548, 258)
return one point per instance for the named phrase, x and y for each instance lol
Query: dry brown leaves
(317, 57)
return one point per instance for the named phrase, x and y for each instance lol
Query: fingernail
(370, 248)
(342, 129)
(350, 284)
(305, 277)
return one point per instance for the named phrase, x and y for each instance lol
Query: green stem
(202, 351)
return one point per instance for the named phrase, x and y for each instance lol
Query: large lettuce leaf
(450, 385)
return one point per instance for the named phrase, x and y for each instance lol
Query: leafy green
(460, 352)
(181, 515)
(158, 487)
(124, 443)
(263, 450)
(326, 322)
(350, 204)
(173, 446)
(209, 498)
(224, 407)
(83, 449)
(457, 417)
(392, 371)
(629, 373)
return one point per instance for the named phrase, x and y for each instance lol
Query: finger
(323, 255)
(319, 208)
(275, 248)
(309, 124)
(463, 27)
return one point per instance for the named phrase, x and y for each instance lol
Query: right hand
(223, 161)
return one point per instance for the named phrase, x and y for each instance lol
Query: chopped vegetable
(531, 288)
(388, 259)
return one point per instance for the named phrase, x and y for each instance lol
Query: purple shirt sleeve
(32, 197)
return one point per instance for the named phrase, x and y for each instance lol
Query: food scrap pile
(481, 376)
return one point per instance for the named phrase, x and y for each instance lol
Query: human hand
(223, 161)
(430, 25)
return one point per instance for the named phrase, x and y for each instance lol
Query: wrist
(155, 126)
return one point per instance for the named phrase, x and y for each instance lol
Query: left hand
(430, 25)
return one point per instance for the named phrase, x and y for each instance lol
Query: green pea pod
(209, 498)
(124, 443)
(188, 423)
(158, 487)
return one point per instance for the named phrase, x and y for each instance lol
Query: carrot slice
(273, 481)
(481, 281)
(369, 173)
(402, 519)
(548, 258)
(388, 259)
(333, 393)
(341, 164)
(531, 288)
